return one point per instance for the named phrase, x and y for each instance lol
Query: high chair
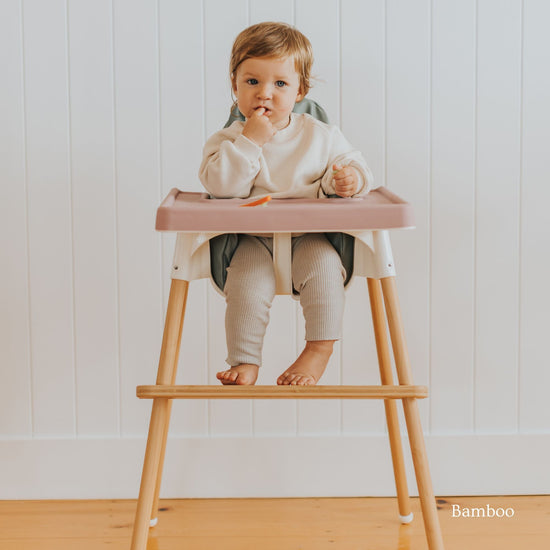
(358, 228)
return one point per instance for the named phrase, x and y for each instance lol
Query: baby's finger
(343, 173)
(345, 187)
(349, 185)
(347, 181)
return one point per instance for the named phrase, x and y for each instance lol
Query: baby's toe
(305, 380)
(282, 380)
(295, 380)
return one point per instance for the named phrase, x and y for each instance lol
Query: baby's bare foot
(310, 365)
(244, 375)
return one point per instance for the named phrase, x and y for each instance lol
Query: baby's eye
(280, 83)
(252, 81)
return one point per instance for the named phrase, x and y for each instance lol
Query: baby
(285, 155)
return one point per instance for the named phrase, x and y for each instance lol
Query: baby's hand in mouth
(258, 127)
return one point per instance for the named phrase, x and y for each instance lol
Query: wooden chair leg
(412, 416)
(160, 414)
(155, 507)
(392, 420)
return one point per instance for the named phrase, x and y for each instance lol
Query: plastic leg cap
(406, 519)
(153, 522)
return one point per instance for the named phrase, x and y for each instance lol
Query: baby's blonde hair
(273, 40)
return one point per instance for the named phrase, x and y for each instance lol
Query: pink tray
(196, 212)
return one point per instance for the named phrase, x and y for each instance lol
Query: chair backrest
(305, 106)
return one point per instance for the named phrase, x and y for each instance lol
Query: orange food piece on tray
(260, 202)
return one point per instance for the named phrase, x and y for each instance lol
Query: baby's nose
(264, 92)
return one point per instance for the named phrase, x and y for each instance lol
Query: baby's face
(268, 82)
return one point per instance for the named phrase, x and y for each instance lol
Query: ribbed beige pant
(317, 275)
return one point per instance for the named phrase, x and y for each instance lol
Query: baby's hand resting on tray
(345, 180)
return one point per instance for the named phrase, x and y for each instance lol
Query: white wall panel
(280, 347)
(105, 106)
(452, 215)
(266, 10)
(497, 215)
(50, 219)
(534, 412)
(181, 88)
(135, 31)
(320, 21)
(94, 217)
(363, 33)
(15, 375)
(408, 166)
(223, 21)
(278, 417)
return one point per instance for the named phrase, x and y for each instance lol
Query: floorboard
(273, 524)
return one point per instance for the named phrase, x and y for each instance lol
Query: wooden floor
(272, 524)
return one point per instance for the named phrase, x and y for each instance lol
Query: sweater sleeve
(341, 152)
(229, 165)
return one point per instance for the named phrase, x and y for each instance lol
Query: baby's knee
(256, 285)
(317, 261)
(330, 262)
(251, 271)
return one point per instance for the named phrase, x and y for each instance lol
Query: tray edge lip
(165, 215)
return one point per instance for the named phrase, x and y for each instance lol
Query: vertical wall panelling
(276, 417)
(534, 412)
(50, 217)
(362, 106)
(266, 10)
(408, 166)
(452, 215)
(181, 92)
(320, 22)
(15, 379)
(317, 416)
(223, 21)
(497, 215)
(94, 223)
(137, 179)
(181, 110)
(105, 106)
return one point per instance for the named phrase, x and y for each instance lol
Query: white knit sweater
(295, 163)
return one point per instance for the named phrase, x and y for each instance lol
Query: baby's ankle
(320, 346)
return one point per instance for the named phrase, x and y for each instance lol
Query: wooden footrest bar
(282, 392)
